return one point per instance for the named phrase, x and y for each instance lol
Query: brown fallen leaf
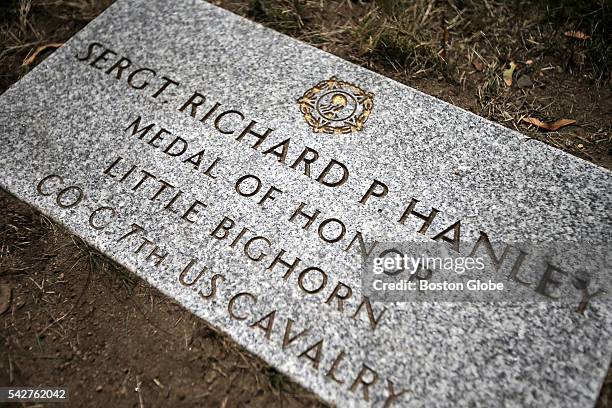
(478, 65)
(508, 74)
(30, 59)
(577, 34)
(5, 298)
(551, 127)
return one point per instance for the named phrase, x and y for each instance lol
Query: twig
(138, 386)
(78, 301)
(10, 366)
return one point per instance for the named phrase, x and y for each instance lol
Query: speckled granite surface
(70, 119)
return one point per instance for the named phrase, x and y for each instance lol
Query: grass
(275, 378)
(593, 17)
(19, 230)
(385, 37)
(115, 274)
(284, 16)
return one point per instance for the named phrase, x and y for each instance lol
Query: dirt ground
(70, 317)
(77, 320)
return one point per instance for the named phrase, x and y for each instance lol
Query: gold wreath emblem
(336, 107)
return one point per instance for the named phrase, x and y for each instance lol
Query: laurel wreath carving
(308, 101)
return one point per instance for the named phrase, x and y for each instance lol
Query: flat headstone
(195, 148)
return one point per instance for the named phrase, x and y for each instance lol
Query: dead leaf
(5, 298)
(29, 60)
(551, 127)
(478, 65)
(577, 34)
(508, 74)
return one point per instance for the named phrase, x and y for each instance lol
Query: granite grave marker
(247, 175)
